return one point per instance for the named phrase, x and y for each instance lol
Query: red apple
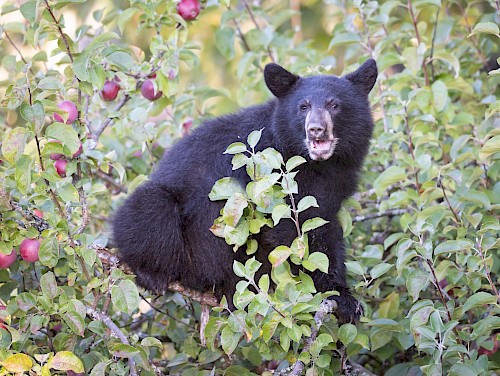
(73, 373)
(70, 108)
(79, 151)
(29, 249)
(60, 166)
(38, 213)
(483, 351)
(55, 156)
(171, 74)
(110, 90)
(148, 90)
(7, 260)
(188, 9)
(186, 126)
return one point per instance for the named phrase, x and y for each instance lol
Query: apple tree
(93, 92)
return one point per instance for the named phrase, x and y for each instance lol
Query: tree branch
(387, 213)
(106, 320)
(111, 260)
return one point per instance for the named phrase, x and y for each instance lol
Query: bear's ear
(365, 76)
(278, 79)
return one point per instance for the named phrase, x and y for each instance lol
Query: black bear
(162, 229)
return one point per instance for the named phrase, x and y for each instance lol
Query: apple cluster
(28, 249)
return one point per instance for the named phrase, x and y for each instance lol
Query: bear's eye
(304, 106)
(331, 103)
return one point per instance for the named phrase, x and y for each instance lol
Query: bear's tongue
(321, 145)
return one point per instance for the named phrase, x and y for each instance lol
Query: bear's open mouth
(321, 149)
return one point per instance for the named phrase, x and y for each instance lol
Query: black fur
(162, 229)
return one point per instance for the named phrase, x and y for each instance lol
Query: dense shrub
(422, 233)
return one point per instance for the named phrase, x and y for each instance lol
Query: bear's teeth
(321, 144)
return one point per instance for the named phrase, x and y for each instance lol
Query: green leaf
(485, 28)
(390, 176)
(68, 193)
(233, 209)
(479, 299)
(125, 296)
(281, 211)
(229, 340)
(34, 114)
(122, 350)
(343, 39)
(380, 269)
(439, 95)
(316, 260)
(278, 255)
(254, 138)
(355, 267)
(236, 147)
(66, 361)
(490, 147)
(212, 329)
(49, 285)
(294, 162)
(239, 269)
(237, 371)
(347, 333)
(224, 41)
(345, 220)
(13, 143)
(237, 235)
(51, 83)
(24, 168)
(460, 369)
(224, 188)
(485, 326)
(307, 202)
(312, 224)
(64, 133)
(452, 246)
(101, 40)
(75, 322)
(417, 281)
(264, 283)
(449, 58)
(125, 16)
(17, 363)
(239, 160)
(29, 10)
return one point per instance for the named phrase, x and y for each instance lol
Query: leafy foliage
(422, 234)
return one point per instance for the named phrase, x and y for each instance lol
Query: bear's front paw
(348, 309)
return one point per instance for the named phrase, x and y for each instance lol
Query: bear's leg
(328, 239)
(147, 231)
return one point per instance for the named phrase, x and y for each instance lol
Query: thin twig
(419, 40)
(108, 121)
(325, 308)
(410, 145)
(388, 213)
(111, 260)
(433, 42)
(108, 179)
(106, 320)
(440, 182)
(249, 10)
(63, 36)
(161, 311)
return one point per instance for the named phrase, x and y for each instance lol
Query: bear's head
(323, 117)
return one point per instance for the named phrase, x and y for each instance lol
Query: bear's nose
(315, 130)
